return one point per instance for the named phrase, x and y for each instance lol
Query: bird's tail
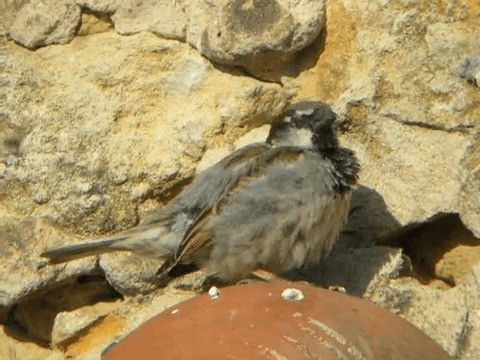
(147, 241)
(71, 252)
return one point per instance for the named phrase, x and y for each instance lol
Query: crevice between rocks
(461, 128)
(442, 250)
(464, 338)
(33, 319)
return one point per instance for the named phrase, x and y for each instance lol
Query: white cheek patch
(302, 138)
(306, 112)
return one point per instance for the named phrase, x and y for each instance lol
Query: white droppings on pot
(292, 294)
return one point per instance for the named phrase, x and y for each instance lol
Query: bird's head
(307, 124)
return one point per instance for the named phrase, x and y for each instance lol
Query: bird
(273, 206)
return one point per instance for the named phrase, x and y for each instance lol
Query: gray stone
(40, 23)
(238, 32)
(410, 117)
(469, 199)
(130, 274)
(450, 317)
(470, 69)
(100, 6)
(98, 135)
(229, 31)
(23, 272)
(165, 18)
(70, 324)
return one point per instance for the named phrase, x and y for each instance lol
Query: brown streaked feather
(195, 238)
(256, 160)
(243, 155)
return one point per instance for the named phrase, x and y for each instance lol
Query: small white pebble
(337, 288)
(214, 292)
(293, 295)
(175, 311)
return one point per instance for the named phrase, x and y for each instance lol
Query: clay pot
(255, 322)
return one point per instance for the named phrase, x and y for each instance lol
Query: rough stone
(129, 315)
(228, 31)
(94, 23)
(130, 274)
(94, 136)
(12, 349)
(98, 132)
(23, 272)
(99, 6)
(237, 32)
(40, 23)
(470, 69)
(392, 71)
(469, 199)
(449, 317)
(37, 314)
(442, 250)
(68, 325)
(165, 18)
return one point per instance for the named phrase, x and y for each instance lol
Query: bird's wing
(188, 207)
(239, 169)
(205, 188)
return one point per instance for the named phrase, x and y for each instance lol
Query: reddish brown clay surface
(254, 322)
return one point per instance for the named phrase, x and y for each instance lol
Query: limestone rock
(130, 274)
(37, 313)
(129, 315)
(237, 32)
(123, 120)
(23, 271)
(11, 349)
(100, 6)
(40, 23)
(165, 18)
(90, 139)
(469, 199)
(228, 31)
(449, 317)
(470, 69)
(94, 23)
(69, 324)
(392, 70)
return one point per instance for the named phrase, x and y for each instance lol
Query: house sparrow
(272, 206)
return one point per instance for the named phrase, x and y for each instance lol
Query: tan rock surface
(40, 23)
(116, 120)
(393, 70)
(227, 31)
(96, 133)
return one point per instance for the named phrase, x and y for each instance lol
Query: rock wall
(109, 108)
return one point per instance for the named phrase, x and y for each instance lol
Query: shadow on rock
(272, 66)
(369, 223)
(33, 318)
